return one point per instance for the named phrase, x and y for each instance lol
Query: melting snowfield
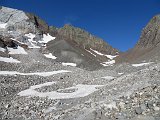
(46, 38)
(3, 25)
(33, 44)
(69, 64)
(79, 91)
(49, 55)
(9, 60)
(19, 50)
(141, 64)
(2, 49)
(108, 63)
(108, 77)
(120, 73)
(90, 52)
(44, 74)
(108, 56)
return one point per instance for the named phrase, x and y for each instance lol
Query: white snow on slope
(19, 50)
(108, 63)
(44, 74)
(108, 56)
(111, 56)
(69, 64)
(90, 52)
(120, 73)
(97, 52)
(3, 25)
(2, 49)
(108, 77)
(141, 64)
(49, 55)
(46, 38)
(31, 36)
(9, 60)
(80, 91)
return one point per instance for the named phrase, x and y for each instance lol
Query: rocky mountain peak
(84, 39)
(150, 36)
(156, 19)
(147, 48)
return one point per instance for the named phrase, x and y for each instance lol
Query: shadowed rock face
(147, 48)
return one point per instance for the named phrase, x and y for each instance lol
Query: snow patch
(3, 25)
(141, 64)
(49, 55)
(81, 91)
(19, 50)
(108, 56)
(90, 52)
(44, 74)
(46, 38)
(9, 60)
(2, 49)
(120, 73)
(109, 63)
(31, 36)
(96, 52)
(111, 56)
(69, 64)
(108, 77)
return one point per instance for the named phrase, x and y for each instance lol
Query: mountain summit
(150, 36)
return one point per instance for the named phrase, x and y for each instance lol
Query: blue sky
(118, 22)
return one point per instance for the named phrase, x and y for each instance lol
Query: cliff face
(25, 28)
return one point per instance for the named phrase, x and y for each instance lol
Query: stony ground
(133, 95)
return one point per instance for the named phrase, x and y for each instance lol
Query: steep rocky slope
(84, 39)
(148, 46)
(75, 45)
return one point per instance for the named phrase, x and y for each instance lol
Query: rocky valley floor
(39, 88)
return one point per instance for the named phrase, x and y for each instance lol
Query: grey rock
(143, 118)
(150, 104)
(143, 107)
(138, 110)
